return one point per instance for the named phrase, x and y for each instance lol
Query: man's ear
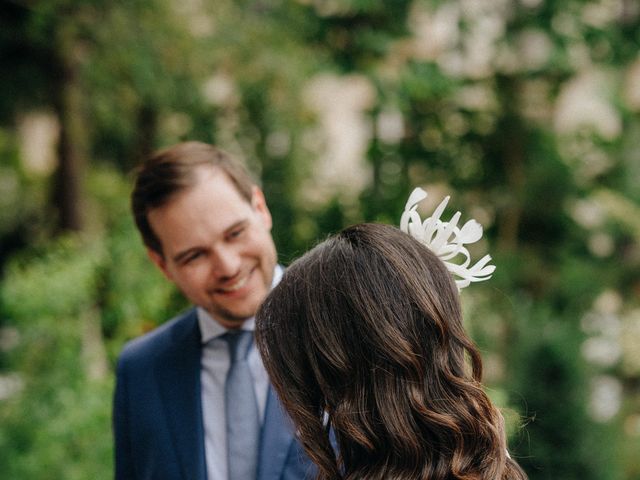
(259, 204)
(160, 262)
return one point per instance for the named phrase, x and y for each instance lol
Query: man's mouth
(237, 285)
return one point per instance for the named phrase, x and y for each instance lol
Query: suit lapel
(178, 372)
(277, 436)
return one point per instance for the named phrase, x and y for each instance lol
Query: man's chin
(231, 319)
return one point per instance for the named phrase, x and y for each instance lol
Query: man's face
(217, 247)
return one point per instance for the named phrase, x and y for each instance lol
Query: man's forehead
(206, 172)
(213, 202)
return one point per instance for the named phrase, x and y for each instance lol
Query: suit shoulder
(148, 346)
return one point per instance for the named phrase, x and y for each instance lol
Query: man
(187, 405)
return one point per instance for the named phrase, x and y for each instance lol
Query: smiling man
(192, 399)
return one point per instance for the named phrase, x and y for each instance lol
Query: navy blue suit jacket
(157, 413)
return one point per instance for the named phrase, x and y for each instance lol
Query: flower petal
(408, 217)
(445, 232)
(470, 232)
(432, 222)
(416, 197)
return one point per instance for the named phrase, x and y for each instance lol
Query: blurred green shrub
(69, 306)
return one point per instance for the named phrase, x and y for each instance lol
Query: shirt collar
(210, 328)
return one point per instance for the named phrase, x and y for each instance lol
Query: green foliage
(72, 304)
(547, 369)
(44, 299)
(66, 263)
(57, 431)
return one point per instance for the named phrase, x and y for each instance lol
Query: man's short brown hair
(172, 170)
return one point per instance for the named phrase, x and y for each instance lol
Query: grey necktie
(243, 424)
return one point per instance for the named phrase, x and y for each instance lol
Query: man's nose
(226, 263)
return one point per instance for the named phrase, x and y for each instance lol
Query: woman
(363, 338)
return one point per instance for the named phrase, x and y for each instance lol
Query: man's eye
(236, 233)
(190, 258)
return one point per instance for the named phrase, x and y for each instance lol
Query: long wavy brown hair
(363, 339)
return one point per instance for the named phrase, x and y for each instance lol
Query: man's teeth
(236, 286)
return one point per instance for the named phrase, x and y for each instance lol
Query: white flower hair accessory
(446, 239)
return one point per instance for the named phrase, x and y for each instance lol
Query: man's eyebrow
(239, 223)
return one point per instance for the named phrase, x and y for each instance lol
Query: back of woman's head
(364, 336)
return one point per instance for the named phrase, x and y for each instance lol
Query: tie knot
(239, 342)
